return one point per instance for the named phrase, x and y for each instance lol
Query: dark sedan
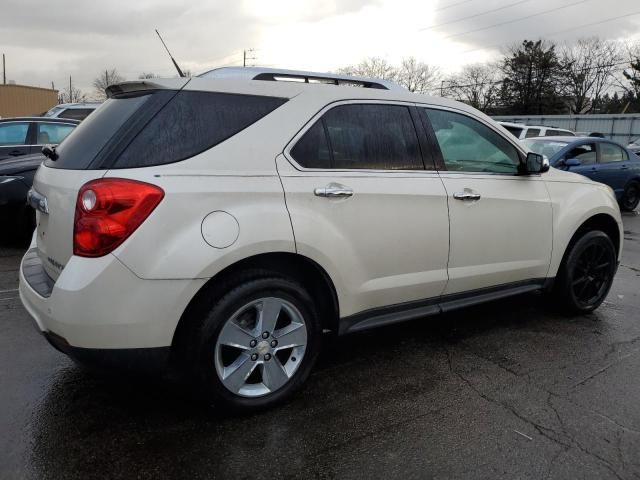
(24, 135)
(16, 177)
(599, 159)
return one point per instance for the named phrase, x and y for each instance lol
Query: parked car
(24, 135)
(221, 225)
(75, 111)
(599, 159)
(16, 177)
(521, 131)
(634, 146)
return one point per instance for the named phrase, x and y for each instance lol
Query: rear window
(76, 113)
(158, 127)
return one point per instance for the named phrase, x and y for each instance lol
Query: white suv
(221, 224)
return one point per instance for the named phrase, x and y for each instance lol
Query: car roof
(523, 125)
(78, 105)
(40, 119)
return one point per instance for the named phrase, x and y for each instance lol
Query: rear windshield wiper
(49, 151)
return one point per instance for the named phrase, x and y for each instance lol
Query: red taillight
(108, 210)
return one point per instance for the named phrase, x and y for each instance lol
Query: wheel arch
(293, 265)
(600, 221)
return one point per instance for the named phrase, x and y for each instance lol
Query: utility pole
(246, 57)
(70, 91)
(4, 72)
(106, 78)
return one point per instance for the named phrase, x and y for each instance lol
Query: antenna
(170, 56)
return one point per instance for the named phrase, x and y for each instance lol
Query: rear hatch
(85, 155)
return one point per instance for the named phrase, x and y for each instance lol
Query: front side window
(469, 146)
(610, 153)
(52, 133)
(585, 153)
(14, 133)
(361, 136)
(548, 148)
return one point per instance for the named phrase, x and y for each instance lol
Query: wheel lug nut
(254, 357)
(267, 357)
(253, 343)
(265, 334)
(274, 343)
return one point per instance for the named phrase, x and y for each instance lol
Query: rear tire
(631, 197)
(587, 272)
(257, 345)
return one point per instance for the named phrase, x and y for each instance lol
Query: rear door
(613, 167)
(500, 221)
(15, 139)
(364, 207)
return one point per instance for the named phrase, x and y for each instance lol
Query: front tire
(631, 197)
(258, 344)
(586, 275)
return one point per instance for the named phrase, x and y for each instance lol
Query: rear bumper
(97, 309)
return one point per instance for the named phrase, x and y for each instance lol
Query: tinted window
(13, 133)
(312, 150)
(468, 145)
(90, 137)
(558, 133)
(611, 153)
(515, 131)
(379, 137)
(585, 153)
(53, 112)
(191, 123)
(76, 113)
(52, 132)
(532, 132)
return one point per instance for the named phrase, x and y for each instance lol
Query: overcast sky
(48, 40)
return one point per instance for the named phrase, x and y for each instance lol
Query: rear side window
(610, 153)
(515, 131)
(532, 132)
(191, 123)
(558, 133)
(76, 113)
(361, 136)
(52, 133)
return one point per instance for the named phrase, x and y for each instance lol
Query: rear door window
(14, 133)
(610, 153)
(361, 136)
(52, 133)
(532, 132)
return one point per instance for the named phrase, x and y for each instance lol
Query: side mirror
(572, 162)
(537, 163)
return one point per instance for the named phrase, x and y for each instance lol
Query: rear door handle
(467, 196)
(333, 190)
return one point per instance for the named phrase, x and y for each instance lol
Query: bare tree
(631, 72)
(72, 95)
(476, 85)
(102, 81)
(417, 76)
(146, 75)
(375, 67)
(588, 66)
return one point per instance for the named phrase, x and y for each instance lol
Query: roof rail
(283, 75)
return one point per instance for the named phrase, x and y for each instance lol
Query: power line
(504, 7)
(632, 14)
(544, 12)
(446, 7)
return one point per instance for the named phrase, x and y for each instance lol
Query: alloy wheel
(260, 347)
(592, 274)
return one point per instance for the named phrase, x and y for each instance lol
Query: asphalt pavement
(505, 390)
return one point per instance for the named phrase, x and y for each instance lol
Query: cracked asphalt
(506, 390)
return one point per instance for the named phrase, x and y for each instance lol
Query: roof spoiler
(142, 85)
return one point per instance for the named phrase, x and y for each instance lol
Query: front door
(500, 221)
(364, 207)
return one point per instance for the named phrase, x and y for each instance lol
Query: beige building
(21, 100)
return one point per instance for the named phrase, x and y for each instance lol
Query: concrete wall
(621, 128)
(21, 100)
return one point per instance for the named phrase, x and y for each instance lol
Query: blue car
(599, 159)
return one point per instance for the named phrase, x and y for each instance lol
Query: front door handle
(467, 196)
(333, 190)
